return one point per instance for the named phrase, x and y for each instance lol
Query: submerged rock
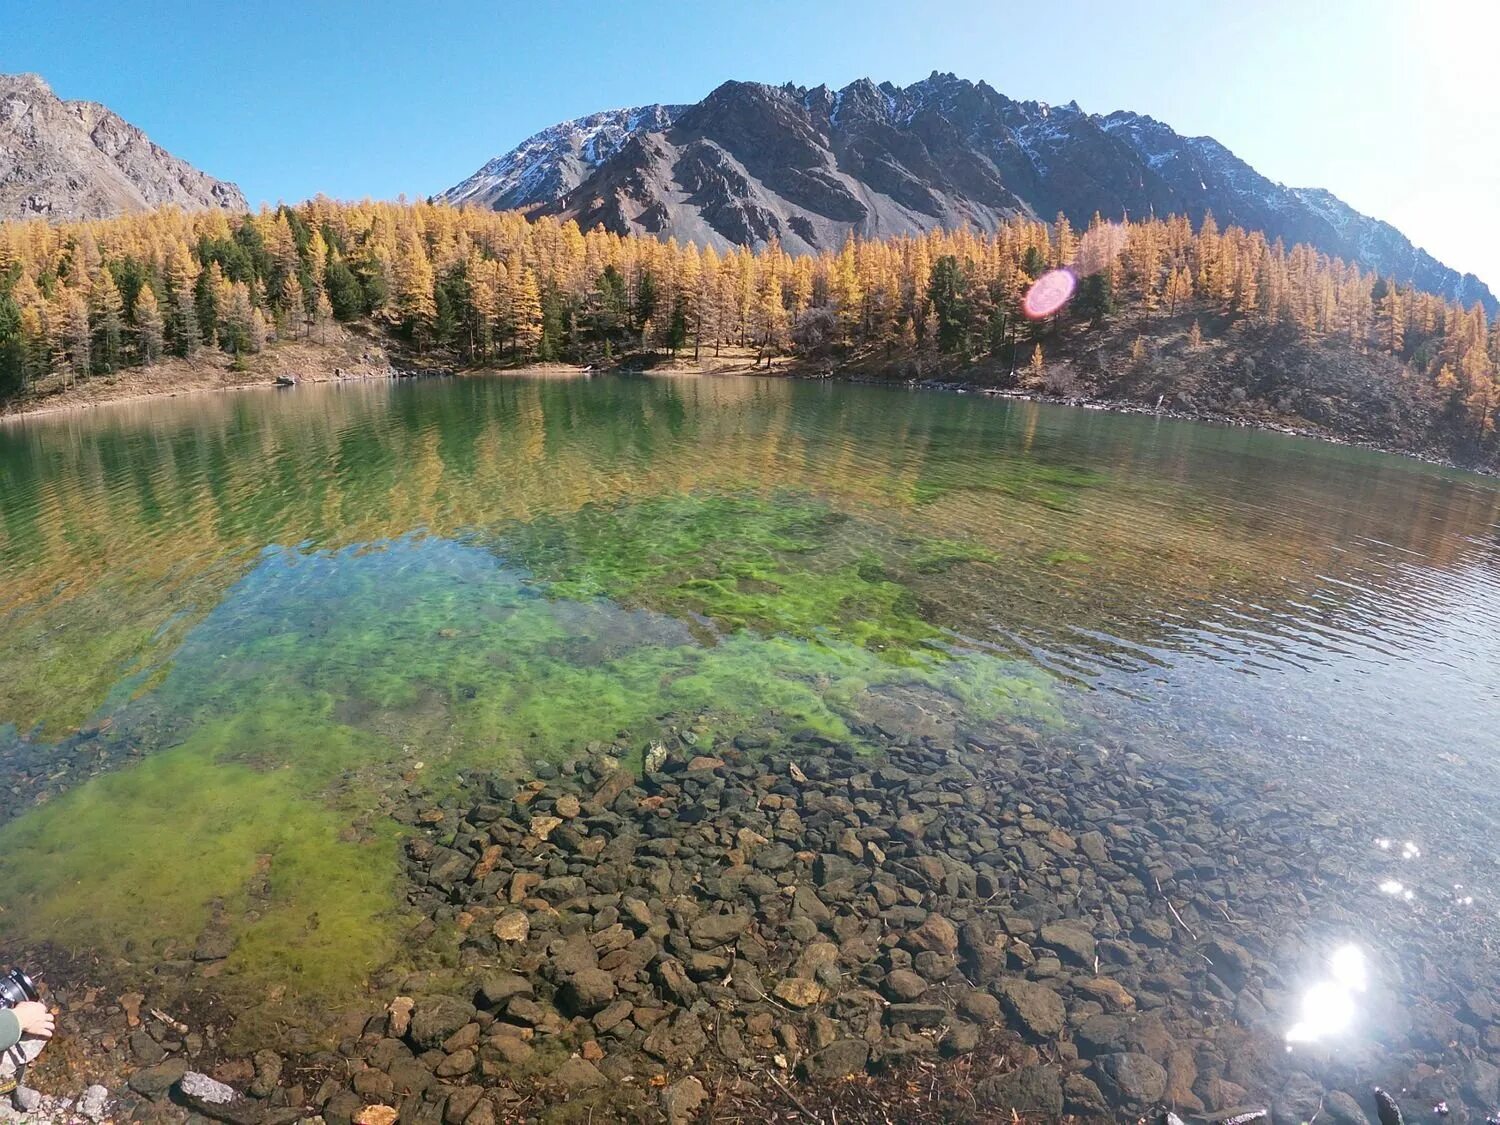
(1035, 1008)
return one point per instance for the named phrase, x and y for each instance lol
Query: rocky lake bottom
(973, 922)
(678, 750)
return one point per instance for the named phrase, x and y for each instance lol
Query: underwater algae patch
(222, 831)
(782, 564)
(303, 701)
(531, 641)
(788, 593)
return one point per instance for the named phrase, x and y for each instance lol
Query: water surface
(242, 630)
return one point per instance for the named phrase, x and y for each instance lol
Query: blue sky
(1392, 105)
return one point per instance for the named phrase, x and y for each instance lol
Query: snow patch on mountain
(556, 160)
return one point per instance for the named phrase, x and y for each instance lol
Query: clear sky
(1394, 105)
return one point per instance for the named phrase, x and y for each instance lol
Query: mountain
(752, 162)
(78, 160)
(552, 163)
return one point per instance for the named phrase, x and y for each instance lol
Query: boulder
(586, 992)
(1031, 1089)
(903, 986)
(1073, 944)
(153, 1081)
(936, 934)
(837, 1060)
(1132, 1078)
(496, 989)
(1032, 1008)
(437, 1017)
(682, 1100)
(217, 1101)
(579, 1074)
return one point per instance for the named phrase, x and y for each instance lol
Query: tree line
(87, 299)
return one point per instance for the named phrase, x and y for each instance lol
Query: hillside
(809, 167)
(77, 160)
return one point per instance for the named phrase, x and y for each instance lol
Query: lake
(248, 637)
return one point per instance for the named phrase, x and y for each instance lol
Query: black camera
(16, 988)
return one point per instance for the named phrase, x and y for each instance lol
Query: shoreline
(395, 372)
(1147, 410)
(382, 366)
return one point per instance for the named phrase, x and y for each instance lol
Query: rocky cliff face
(753, 162)
(77, 160)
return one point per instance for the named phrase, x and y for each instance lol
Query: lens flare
(1049, 293)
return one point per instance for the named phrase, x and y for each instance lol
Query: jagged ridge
(752, 162)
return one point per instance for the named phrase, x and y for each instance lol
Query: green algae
(220, 830)
(1057, 487)
(777, 564)
(323, 675)
(586, 629)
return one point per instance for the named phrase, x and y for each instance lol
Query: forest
(482, 289)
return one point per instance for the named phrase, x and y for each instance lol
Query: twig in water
(795, 1099)
(1180, 922)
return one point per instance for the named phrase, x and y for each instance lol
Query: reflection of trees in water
(120, 528)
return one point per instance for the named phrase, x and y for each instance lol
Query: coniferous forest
(480, 288)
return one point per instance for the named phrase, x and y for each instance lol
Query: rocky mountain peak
(64, 160)
(809, 166)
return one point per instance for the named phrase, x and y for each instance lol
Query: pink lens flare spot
(1049, 293)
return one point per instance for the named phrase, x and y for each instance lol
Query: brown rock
(1109, 992)
(936, 934)
(457, 1064)
(579, 1074)
(682, 1100)
(542, 826)
(376, 1115)
(486, 862)
(398, 1016)
(513, 925)
(1182, 1072)
(799, 992)
(522, 883)
(816, 955)
(612, 786)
